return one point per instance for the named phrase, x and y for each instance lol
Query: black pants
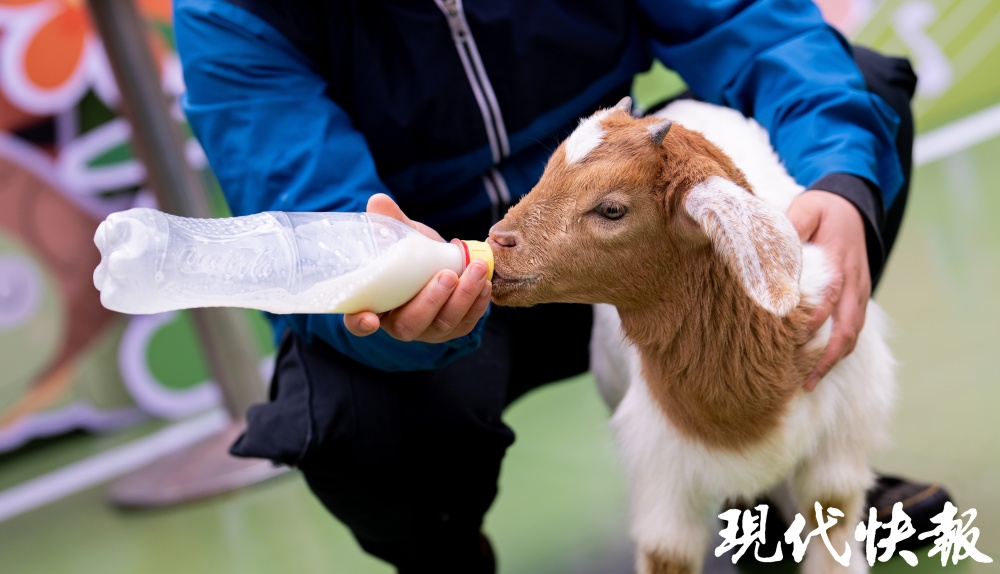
(410, 461)
(893, 80)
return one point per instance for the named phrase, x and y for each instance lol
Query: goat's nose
(503, 237)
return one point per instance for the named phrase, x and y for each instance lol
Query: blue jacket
(453, 110)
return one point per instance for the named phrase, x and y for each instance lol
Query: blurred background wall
(65, 164)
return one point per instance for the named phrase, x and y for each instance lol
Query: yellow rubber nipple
(481, 250)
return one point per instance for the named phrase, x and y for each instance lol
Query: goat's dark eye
(611, 210)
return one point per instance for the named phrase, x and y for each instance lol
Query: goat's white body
(822, 446)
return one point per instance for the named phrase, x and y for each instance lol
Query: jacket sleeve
(781, 63)
(275, 141)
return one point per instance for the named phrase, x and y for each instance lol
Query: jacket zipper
(496, 189)
(476, 73)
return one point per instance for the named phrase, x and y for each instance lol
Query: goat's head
(624, 205)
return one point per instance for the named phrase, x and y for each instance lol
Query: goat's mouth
(506, 288)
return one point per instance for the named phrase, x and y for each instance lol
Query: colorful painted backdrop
(65, 164)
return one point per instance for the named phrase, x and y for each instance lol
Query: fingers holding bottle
(448, 307)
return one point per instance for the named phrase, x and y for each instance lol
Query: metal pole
(223, 333)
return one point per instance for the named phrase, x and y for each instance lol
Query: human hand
(832, 222)
(446, 308)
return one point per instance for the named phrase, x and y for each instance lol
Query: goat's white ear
(756, 240)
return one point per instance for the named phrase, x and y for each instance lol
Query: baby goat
(702, 294)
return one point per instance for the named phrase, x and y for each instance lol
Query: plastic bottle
(281, 262)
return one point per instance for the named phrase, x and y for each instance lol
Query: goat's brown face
(574, 237)
(620, 210)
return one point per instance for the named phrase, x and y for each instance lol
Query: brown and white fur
(702, 292)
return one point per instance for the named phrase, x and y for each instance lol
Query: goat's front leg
(669, 517)
(835, 478)
(669, 527)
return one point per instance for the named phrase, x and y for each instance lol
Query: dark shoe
(489, 561)
(479, 559)
(921, 502)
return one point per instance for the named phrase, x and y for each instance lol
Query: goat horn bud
(625, 105)
(659, 131)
